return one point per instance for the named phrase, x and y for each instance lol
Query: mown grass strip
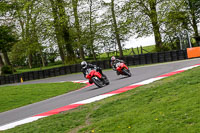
(128, 52)
(12, 97)
(102, 56)
(168, 105)
(22, 70)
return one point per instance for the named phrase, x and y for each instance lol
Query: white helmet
(113, 58)
(83, 64)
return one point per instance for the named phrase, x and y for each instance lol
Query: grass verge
(12, 97)
(169, 105)
(127, 52)
(102, 56)
(22, 70)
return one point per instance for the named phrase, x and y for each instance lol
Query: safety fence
(149, 58)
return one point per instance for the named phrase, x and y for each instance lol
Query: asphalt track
(116, 82)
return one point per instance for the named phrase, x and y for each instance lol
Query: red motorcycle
(123, 69)
(96, 78)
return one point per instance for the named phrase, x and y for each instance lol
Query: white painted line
(85, 81)
(148, 81)
(97, 98)
(79, 81)
(17, 123)
(187, 68)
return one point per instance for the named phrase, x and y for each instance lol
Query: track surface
(116, 82)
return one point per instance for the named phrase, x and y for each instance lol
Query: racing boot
(90, 81)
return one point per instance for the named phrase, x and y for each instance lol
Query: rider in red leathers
(85, 66)
(114, 61)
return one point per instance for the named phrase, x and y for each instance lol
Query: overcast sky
(144, 41)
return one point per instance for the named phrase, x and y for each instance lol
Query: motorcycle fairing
(92, 74)
(121, 66)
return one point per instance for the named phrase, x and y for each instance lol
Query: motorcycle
(96, 78)
(123, 69)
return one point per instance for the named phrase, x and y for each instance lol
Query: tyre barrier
(141, 59)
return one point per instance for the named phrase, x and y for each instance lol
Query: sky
(133, 43)
(144, 41)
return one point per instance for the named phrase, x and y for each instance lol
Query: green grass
(102, 56)
(12, 97)
(21, 70)
(127, 52)
(171, 105)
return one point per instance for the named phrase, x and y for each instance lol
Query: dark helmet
(83, 64)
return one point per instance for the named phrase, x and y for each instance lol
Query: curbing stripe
(121, 90)
(58, 110)
(148, 81)
(17, 123)
(187, 68)
(83, 81)
(79, 81)
(94, 99)
(171, 73)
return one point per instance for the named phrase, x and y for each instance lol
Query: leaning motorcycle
(123, 69)
(96, 78)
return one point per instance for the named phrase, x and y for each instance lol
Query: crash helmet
(113, 58)
(83, 64)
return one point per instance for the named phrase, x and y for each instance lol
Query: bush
(6, 70)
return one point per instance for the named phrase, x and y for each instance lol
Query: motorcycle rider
(85, 66)
(114, 61)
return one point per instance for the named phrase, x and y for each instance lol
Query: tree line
(37, 30)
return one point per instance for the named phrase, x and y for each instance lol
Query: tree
(1, 63)
(26, 17)
(173, 20)
(91, 30)
(145, 15)
(35, 30)
(182, 15)
(116, 29)
(58, 33)
(114, 18)
(194, 7)
(7, 39)
(62, 30)
(78, 28)
(4, 40)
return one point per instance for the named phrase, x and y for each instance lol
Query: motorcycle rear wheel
(97, 82)
(106, 81)
(127, 72)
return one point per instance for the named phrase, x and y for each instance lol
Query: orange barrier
(193, 52)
